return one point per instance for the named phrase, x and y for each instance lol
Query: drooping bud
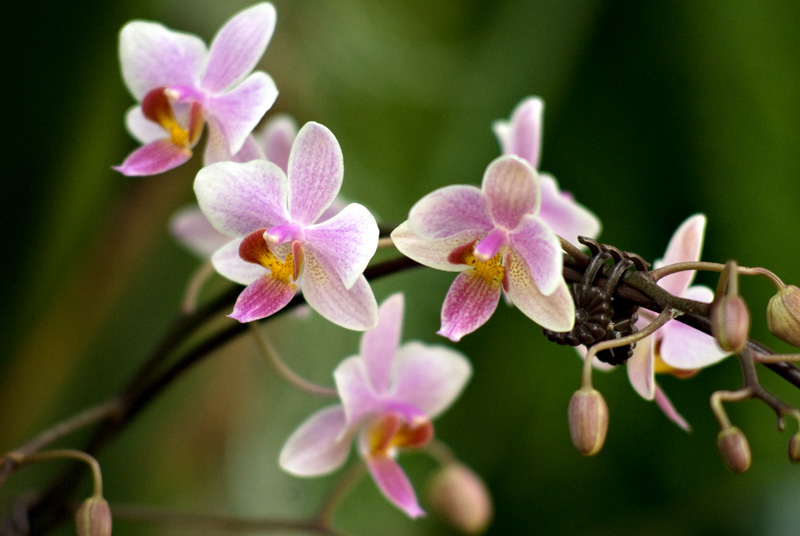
(588, 420)
(794, 448)
(783, 315)
(460, 497)
(730, 323)
(734, 449)
(93, 518)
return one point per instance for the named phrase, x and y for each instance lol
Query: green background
(654, 111)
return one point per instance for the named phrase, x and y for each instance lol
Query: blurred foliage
(654, 111)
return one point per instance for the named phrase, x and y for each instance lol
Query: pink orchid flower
(389, 396)
(522, 136)
(181, 85)
(495, 238)
(675, 348)
(275, 217)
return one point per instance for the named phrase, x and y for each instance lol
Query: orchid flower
(521, 136)
(181, 85)
(275, 219)
(389, 395)
(495, 238)
(675, 348)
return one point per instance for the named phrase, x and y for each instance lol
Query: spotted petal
(450, 211)
(538, 246)
(555, 311)
(319, 445)
(354, 308)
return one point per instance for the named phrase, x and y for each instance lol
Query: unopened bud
(588, 421)
(783, 315)
(794, 448)
(730, 323)
(93, 518)
(734, 449)
(460, 497)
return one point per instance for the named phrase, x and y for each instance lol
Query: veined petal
(379, 344)
(523, 133)
(238, 46)
(359, 399)
(229, 264)
(263, 297)
(555, 311)
(540, 249)
(684, 246)
(469, 303)
(429, 377)
(686, 348)
(346, 242)
(239, 198)
(152, 56)
(193, 230)
(276, 139)
(640, 367)
(567, 218)
(251, 150)
(354, 308)
(432, 253)
(512, 190)
(141, 128)
(316, 170)
(669, 410)
(394, 484)
(237, 112)
(449, 211)
(155, 157)
(318, 446)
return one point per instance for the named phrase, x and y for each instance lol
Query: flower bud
(730, 323)
(794, 448)
(588, 421)
(783, 315)
(460, 497)
(93, 518)
(734, 449)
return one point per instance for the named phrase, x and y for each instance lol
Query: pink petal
(318, 446)
(449, 211)
(433, 253)
(394, 484)
(316, 170)
(379, 344)
(555, 311)
(261, 298)
(469, 303)
(152, 56)
(640, 368)
(354, 308)
(429, 378)
(345, 243)
(686, 348)
(684, 246)
(567, 218)
(240, 198)
(229, 264)
(217, 149)
(141, 128)
(512, 191)
(238, 46)
(276, 139)
(155, 157)
(193, 230)
(669, 410)
(358, 396)
(522, 135)
(540, 249)
(237, 112)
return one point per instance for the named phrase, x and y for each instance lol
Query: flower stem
(20, 460)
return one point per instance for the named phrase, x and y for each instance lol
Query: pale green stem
(718, 397)
(283, 369)
(21, 460)
(658, 273)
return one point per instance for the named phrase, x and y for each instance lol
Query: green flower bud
(783, 315)
(734, 449)
(93, 518)
(730, 323)
(588, 421)
(460, 497)
(794, 448)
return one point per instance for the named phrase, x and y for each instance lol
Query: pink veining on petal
(512, 191)
(276, 139)
(316, 170)
(450, 211)
(468, 305)
(540, 249)
(262, 298)
(394, 484)
(155, 157)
